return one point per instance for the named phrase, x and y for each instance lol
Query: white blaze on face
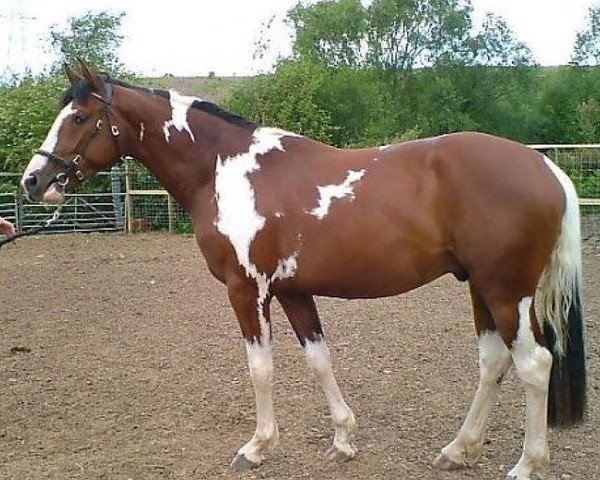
(180, 104)
(38, 162)
(237, 217)
(329, 192)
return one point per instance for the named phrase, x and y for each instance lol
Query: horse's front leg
(252, 311)
(302, 313)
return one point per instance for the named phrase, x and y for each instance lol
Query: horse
(278, 215)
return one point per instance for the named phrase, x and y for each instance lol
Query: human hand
(6, 228)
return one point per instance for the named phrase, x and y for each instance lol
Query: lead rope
(32, 231)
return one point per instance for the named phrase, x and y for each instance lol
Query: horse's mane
(82, 90)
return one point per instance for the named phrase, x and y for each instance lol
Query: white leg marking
(328, 192)
(494, 361)
(319, 360)
(260, 363)
(533, 363)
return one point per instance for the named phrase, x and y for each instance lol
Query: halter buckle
(62, 179)
(80, 176)
(99, 124)
(77, 159)
(115, 130)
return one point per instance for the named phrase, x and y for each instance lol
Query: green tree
(330, 32)
(586, 50)
(388, 34)
(404, 34)
(26, 113)
(496, 45)
(356, 103)
(588, 118)
(93, 37)
(288, 99)
(560, 93)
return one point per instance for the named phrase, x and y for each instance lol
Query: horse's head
(83, 139)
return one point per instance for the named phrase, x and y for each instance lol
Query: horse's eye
(78, 119)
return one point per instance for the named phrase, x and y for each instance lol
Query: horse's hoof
(442, 462)
(241, 464)
(336, 454)
(533, 476)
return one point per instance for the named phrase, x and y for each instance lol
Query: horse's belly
(368, 277)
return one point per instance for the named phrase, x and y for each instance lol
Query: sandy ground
(120, 358)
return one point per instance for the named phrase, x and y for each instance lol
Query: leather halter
(73, 166)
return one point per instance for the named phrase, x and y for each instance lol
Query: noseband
(73, 166)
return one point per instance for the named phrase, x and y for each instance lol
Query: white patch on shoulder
(279, 214)
(237, 217)
(328, 192)
(180, 104)
(38, 161)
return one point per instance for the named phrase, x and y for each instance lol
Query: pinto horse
(278, 215)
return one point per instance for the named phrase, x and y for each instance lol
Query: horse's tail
(560, 295)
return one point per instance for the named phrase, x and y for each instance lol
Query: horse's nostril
(31, 181)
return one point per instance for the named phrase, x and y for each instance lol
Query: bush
(26, 114)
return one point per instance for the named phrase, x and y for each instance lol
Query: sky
(195, 37)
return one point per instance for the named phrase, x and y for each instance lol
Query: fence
(582, 164)
(81, 212)
(130, 199)
(148, 204)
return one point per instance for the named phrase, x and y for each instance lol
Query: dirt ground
(120, 358)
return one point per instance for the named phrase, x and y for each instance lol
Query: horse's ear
(72, 75)
(91, 77)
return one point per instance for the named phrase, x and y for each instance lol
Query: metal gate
(81, 212)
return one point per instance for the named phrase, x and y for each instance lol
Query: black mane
(82, 90)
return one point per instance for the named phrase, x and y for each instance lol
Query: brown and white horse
(279, 215)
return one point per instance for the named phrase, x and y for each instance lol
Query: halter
(72, 167)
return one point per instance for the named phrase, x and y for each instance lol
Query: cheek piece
(72, 167)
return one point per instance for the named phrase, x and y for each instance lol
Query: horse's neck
(182, 156)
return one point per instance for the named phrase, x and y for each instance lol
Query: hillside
(214, 89)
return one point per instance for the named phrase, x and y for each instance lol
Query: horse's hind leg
(533, 363)
(302, 313)
(494, 361)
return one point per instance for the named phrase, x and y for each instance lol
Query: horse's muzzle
(39, 189)
(32, 187)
